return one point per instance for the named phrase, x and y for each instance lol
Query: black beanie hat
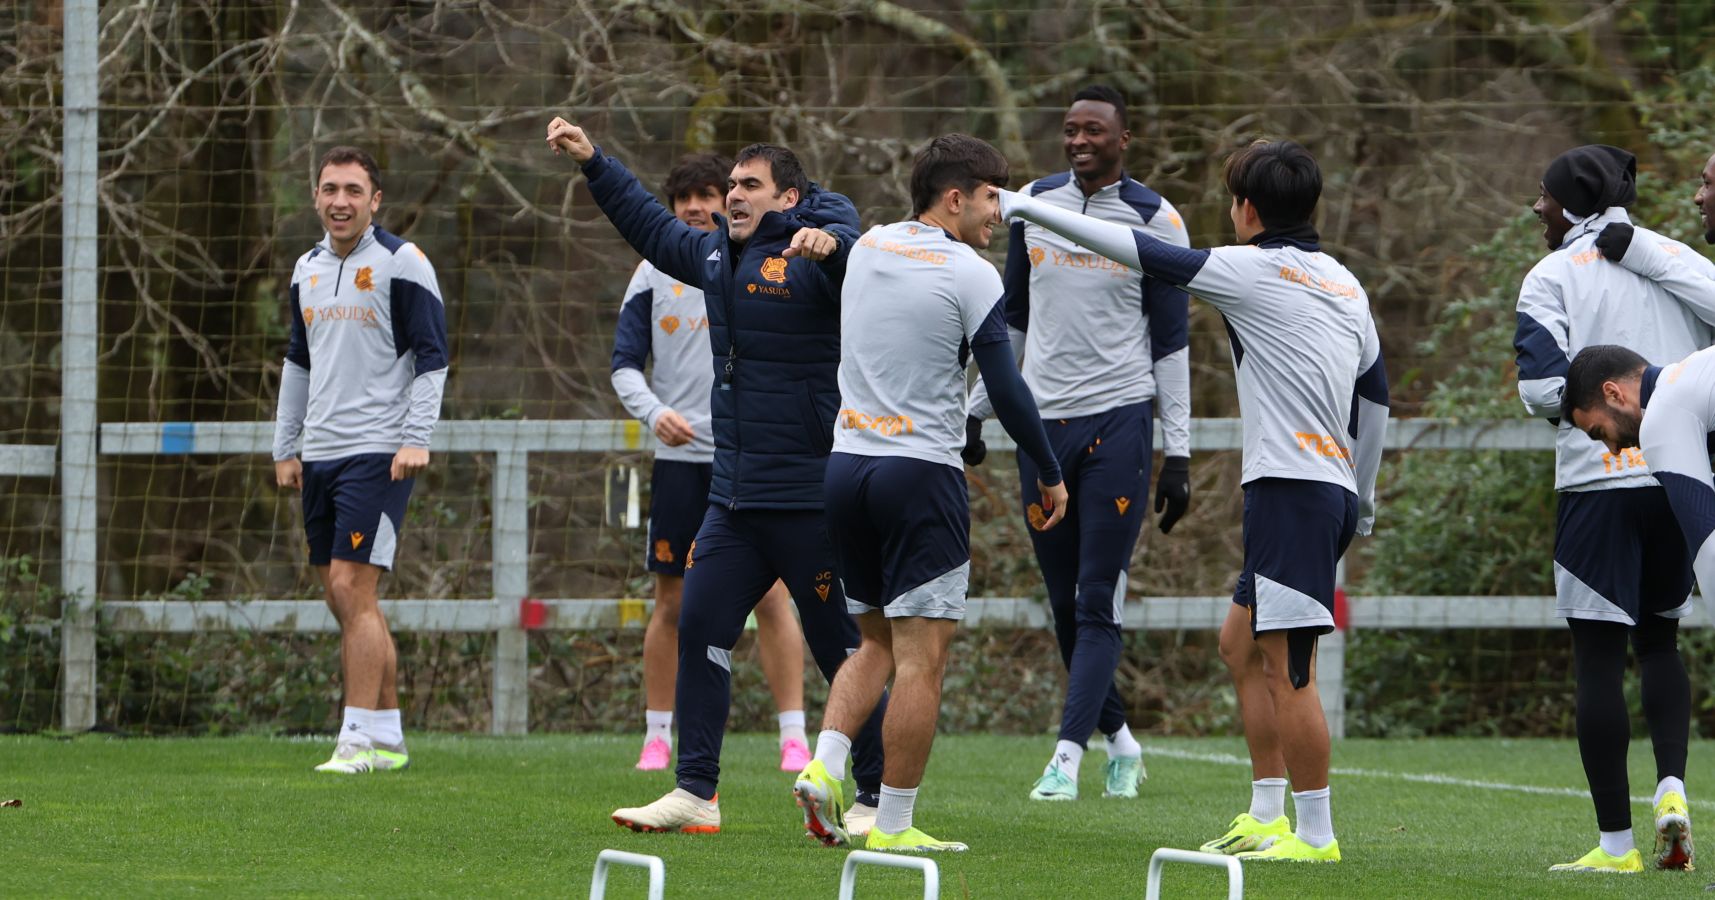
(1586, 180)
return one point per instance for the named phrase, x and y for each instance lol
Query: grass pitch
(526, 817)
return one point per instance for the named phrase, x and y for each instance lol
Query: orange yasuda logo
(364, 279)
(669, 324)
(1037, 254)
(309, 315)
(774, 269)
(1123, 504)
(663, 551)
(356, 539)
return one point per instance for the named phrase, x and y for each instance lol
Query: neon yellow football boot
(1672, 833)
(823, 799)
(1247, 834)
(1292, 848)
(911, 840)
(1598, 861)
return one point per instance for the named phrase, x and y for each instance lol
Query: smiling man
(1104, 350)
(361, 386)
(919, 305)
(667, 321)
(771, 273)
(1617, 575)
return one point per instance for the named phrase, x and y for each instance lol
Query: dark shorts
(353, 509)
(901, 530)
(1619, 554)
(1294, 534)
(678, 498)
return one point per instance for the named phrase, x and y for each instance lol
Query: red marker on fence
(532, 614)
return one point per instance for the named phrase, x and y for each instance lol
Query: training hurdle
(848, 872)
(657, 872)
(1165, 855)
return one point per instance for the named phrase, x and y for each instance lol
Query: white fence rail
(509, 611)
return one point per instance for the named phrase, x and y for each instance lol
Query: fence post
(79, 323)
(511, 584)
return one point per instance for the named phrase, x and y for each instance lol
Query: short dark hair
(783, 166)
(1594, 365)
(339, 156)
(1104, 94)
(1280, 178)
(954, 161)
(695, 171)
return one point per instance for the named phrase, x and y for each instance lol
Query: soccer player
(1313, 403)
(918, 305)
(1103, 348)
(1621, 401)
(361, 385)
(666, 319)
(1620, 569)
(770, 273)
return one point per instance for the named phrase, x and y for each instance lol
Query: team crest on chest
(678, 289)
(774, 269)
(365, 279)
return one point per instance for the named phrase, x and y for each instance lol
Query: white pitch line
(1417, 777)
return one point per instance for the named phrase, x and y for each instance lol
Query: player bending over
(917, 306)
(1309, 367)
(362, 382)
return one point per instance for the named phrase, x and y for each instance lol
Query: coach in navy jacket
(774, 327)
(771, 275)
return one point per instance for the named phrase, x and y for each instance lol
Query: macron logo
(715, 256)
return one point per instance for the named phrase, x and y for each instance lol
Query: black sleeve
(1015, 406)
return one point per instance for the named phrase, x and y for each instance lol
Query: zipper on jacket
(728, 378)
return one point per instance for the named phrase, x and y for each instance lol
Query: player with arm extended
(770, 273)
(917, 306)
(1103, 349)
(1621, 573)
(1313, 406)
(361, 388)
(665, 319)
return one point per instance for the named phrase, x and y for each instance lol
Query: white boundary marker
(1165, 855)
(1228, 759)
(657, 872)
(848, 872)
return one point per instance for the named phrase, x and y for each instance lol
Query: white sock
(1315, 820)
(894, 814)
(832, 748)
(354, 729)
(1121, 743)
(1067, 756)
(385, 727)
(1617, 843)
(792, 726)
(1670, 783)
(1268, 799)
(658, 724)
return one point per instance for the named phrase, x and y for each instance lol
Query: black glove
(1615, 240)
(1173, 490)
(975, 450)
